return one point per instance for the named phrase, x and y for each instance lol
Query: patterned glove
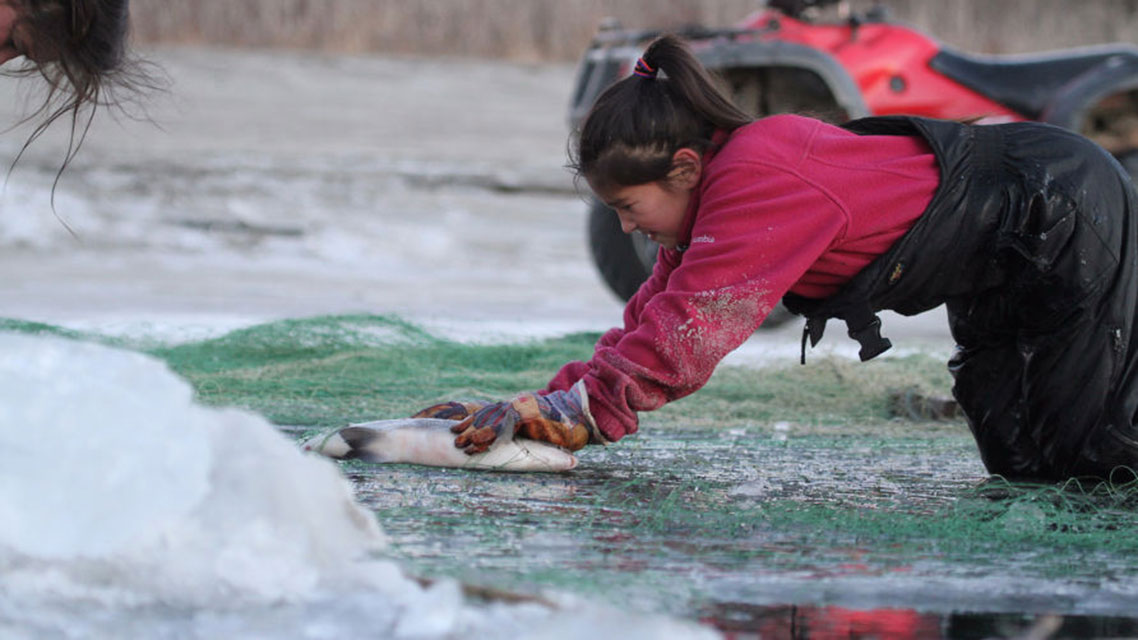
(450, 410)
(559, 417)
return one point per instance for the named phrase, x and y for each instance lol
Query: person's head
(643, 140)
(77, 46)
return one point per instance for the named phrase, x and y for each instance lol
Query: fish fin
(362, 444)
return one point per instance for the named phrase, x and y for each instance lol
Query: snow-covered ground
(278, 184)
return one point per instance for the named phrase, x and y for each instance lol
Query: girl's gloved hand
(450, 410)
(559, 417)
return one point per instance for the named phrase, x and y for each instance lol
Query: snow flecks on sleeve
(717, 322)
(680, 340)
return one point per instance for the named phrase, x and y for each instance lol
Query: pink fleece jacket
(786, 203)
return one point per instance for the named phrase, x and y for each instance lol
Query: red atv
(780, 60)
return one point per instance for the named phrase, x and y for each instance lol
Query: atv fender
(730, 54)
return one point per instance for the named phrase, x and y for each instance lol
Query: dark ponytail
(639, 122)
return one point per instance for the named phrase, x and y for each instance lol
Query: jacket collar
(718, 139)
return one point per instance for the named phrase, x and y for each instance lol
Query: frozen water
(126, 510)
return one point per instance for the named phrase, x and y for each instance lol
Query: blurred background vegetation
(558, 30)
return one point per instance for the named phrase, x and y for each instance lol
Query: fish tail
(363, 444)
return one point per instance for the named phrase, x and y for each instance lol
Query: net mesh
(328, 371)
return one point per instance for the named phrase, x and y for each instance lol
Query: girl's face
(657, 209)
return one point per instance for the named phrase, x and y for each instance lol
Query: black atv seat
(1025, 84)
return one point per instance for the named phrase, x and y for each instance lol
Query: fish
(429, 441)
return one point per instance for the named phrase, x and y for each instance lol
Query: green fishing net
(787, 466)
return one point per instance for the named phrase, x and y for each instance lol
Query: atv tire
(624, 260)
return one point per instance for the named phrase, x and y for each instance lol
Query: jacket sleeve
(573, 371)
(758, 229)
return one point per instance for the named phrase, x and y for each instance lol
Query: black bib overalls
(1031, 243)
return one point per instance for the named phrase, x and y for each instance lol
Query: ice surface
(127, 510)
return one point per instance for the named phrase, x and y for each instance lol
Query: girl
(1025, 231)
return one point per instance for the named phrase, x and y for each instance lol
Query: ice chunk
(95, 449)
(111, 475)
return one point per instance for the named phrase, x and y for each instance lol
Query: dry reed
(536, 30)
